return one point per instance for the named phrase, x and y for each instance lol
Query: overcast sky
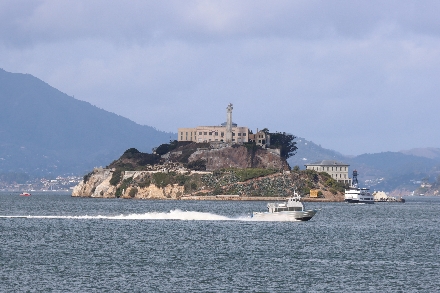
(354, 76)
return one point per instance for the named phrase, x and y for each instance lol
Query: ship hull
(285, 215)
(359, 201)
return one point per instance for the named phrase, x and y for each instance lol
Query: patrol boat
(291, 210)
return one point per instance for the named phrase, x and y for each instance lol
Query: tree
(265, 130)
(284, 142)
(166, 147)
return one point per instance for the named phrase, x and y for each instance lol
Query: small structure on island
(314, 193)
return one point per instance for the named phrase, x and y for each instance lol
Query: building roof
(327, 163)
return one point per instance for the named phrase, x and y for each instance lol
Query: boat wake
(171, 215)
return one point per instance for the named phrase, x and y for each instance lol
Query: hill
(44, 131)
(200, 171)
(385, 171)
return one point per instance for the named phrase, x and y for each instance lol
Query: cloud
(355, 76)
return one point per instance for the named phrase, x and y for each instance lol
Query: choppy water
(55, 243)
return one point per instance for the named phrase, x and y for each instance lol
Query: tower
(229, 123)
(355, 178)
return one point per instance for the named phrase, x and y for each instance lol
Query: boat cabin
(292, 204)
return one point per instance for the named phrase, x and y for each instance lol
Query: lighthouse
(228, 137)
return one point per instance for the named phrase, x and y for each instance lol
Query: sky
(353, 76)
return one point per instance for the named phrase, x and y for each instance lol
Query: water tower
(355, 178)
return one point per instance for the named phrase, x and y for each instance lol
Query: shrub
(144, 183)
(251, 173)
(198, 165)
(161, 179)
(123, 186)
(133, 192)
(116, 177)
(181, 179)
(87, 177)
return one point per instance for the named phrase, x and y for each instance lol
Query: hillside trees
(285, 142)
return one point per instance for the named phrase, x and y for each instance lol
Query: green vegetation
(131, 152)
(87, 177)
(161, 179)
(296, 169)
(116, 177)
(198, 165)
(126, 183)
(166, 147)
(133, 192)
(251, 173)
(284, 142)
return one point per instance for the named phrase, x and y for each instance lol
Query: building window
(216, 133)
(200, 133)
(233, 133)
(223, 134)
(205, 133)
(239, 134)
(244, 134)
(210, 133)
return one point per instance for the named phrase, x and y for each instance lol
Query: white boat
(291, 210)
(355, 194)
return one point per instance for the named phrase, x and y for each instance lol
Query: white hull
(358, 195)
(285, 215)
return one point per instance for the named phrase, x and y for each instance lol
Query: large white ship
(354, 194)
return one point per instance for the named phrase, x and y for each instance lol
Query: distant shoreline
(255, 198)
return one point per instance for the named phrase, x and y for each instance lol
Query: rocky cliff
(239, 157)
(181, 184)
(189, 169)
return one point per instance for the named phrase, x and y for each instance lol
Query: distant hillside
(431, 153)
(309, 152)
(381, 171)
(44, 131)
(393, 170)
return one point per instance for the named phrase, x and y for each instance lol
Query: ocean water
(56, 243)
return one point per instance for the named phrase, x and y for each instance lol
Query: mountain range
(44, 132)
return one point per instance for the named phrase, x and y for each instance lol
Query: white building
(337, 170)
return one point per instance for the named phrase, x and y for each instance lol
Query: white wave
(171, 215)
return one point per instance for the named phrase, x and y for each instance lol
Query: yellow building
(213, 133)
(228, 132)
